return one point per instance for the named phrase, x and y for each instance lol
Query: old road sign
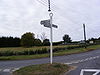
(46, 23)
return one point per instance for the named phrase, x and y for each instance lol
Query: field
(26, 53)
(31, 51)
(32, 48)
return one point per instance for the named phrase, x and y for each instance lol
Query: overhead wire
(60, 14)
(54, 7)
(41, 2)
(44, 2)
(92, 30)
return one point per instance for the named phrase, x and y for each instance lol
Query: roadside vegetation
(43, 69)
(34, 50)
(59, 50)
(30, 47)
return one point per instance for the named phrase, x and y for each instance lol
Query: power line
(41, 2)
(54, 7)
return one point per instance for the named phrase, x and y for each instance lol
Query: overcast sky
(20, 16)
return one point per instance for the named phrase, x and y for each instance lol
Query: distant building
(91, 42)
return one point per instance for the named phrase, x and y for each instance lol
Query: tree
(66, 39)
(43, 36)
(99, 38)
(27, 39)
(37, 42)
(46, 42)
(17, 41)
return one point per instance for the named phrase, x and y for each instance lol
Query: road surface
(87, 60)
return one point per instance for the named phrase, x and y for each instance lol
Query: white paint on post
(51, 49)
(49, 24)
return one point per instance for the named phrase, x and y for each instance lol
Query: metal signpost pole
(51, 49)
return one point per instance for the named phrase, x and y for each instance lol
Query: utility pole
(84, 34)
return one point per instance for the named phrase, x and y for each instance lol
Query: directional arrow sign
(55, 26)
(46, 23)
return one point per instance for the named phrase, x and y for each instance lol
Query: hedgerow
(37, 51)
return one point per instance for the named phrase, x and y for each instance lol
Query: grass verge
(43, 69)
(58, 53)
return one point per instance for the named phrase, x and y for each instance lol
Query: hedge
(38, 51)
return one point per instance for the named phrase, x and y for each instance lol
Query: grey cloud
(20, 16)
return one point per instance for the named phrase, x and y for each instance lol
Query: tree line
(9, 42)
(28, 40)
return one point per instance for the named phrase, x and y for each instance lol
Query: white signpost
(51, 51)
(48, 24)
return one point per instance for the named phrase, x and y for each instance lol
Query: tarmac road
(87, 60)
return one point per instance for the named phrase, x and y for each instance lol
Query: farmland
(31, 51)
(20, 53)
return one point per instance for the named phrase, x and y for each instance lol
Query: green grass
(23, 57)
(43, 69)
(77, 50)
(58, 53)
